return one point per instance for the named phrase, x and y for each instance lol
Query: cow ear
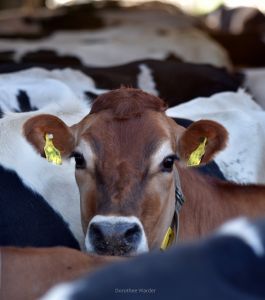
(201, 141)
(36, 128)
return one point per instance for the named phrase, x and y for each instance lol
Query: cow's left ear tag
(168, 239)
(52, 154)
(196, 156)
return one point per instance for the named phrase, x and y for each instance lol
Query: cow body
(122, 44)
(39, 202)
(153, 76)
(27, 220)
(27, 273)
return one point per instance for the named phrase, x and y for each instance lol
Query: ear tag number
(168, 239)
(197, 154)
(52, 154)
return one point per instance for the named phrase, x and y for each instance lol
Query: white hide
(243, 159)
(126, 43)
(146, 81)
(44, 87)
(255, 83)
(242, 229)
(62, 291)
(56, 184)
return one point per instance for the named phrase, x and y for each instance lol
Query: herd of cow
(121, 136)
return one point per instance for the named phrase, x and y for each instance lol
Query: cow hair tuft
(126, 103)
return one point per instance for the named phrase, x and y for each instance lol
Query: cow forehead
(138, 137)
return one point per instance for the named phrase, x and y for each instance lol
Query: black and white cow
(39, 201)
(228, 265)
(236, 20)
(174, 81)
(241, 32)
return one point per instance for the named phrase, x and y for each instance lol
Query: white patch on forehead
(164, 150)
(145, 80)
(85, 148)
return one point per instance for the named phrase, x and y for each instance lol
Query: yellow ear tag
(168, 239)
(197, 154)
(52, 154)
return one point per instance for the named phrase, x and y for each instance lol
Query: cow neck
(171, 235)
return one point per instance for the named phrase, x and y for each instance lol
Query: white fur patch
(59, 292)
(143, 245)
(86, 149)
(145, 80)
(244, 230)
(162, 152)
(254, 81)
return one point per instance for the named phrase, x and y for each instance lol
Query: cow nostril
(95, 231)
(132, 235)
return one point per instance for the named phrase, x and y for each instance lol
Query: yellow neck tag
(52, 154)
(168, 239)
(197, 154)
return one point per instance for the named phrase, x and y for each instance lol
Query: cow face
(125, 152)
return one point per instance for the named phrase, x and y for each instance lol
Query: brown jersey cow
(127, 172)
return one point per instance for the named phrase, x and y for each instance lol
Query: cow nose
(114, 239)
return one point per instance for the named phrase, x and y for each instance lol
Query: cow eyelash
(80, 162)
(168, 163)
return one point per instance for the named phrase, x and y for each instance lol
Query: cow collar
(171, 235)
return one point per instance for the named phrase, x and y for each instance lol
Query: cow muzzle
(115, 235)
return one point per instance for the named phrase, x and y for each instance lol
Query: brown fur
(124, 130)
(127, 103)
(210, 202)
(27, 273)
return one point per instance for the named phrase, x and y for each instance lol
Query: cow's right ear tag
(52, 154)
(197, 155)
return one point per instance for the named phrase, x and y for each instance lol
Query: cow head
(125, 152)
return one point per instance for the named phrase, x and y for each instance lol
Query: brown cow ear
(36, 128)
(201, 141)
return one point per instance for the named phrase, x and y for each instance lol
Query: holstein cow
(27, 273)
(127, 171)
(237, 20)
(38, 88)
(39, 202)
(152, 76)
(123, 44)
(228, 265)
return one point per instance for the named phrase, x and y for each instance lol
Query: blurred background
(191, 6)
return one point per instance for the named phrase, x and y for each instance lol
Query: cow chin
(115, 235)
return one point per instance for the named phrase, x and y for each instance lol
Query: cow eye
(80, 162)
(168, 162)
